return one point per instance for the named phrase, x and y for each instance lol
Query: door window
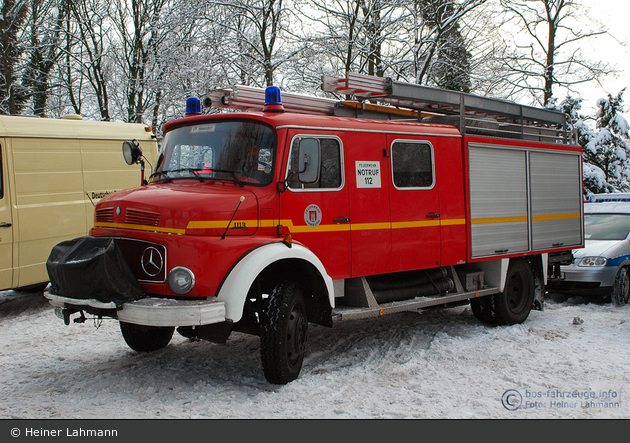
(412, 165)
(331, 169)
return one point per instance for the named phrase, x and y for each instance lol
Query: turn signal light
(287, 240)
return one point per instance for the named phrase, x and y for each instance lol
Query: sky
(613, 48)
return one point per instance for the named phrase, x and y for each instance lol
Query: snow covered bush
(606, 148)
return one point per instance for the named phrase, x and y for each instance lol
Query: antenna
(230, 222)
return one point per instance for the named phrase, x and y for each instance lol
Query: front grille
(147, 260)
(138, 217)
(104, 215)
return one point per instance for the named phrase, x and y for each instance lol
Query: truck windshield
(606, 226)
(238, 151)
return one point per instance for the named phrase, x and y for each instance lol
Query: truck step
(353, 313)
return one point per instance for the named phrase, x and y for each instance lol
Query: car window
(606, 226)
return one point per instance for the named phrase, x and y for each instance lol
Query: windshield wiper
(169, 177)
(198, 176)
(232, 173)
(164, 173)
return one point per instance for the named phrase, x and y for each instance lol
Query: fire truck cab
(302, 210)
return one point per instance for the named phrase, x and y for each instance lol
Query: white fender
(495, 271)
(234, 290)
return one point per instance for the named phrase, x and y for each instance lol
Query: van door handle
(341, 220)
(5, 225)
(432, 215)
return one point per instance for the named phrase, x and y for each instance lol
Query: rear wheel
(514, 304)
(284, 328)
(146, 338)
(621, 288)
(483, 310)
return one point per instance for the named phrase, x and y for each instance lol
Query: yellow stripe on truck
(337, 227)
(523, 218)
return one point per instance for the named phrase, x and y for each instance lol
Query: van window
(330, 175)
(412, 164)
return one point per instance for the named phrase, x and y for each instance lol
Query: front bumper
(604, 275)
(149, 311)
(584, 280)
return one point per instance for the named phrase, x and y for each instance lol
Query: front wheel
(146, 338)
(284, 328)
(621, 288)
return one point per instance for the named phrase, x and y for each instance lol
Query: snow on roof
(615, 197)
(607, 207)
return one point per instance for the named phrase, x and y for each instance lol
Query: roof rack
(471, 114)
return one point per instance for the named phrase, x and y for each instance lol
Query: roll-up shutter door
(556, 199)
(498, 201)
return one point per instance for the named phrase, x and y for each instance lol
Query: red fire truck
(301, 210)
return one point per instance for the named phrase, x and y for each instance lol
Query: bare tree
(545, 53)
(142, 31)
(436, 52)
(356, 35)
(254, 32)
(14, 15)
(87, 46)
(46, 25)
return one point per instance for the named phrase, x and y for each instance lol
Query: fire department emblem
(313, 216)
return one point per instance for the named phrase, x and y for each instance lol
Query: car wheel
(146, 338)
(514, 304)
(621, 288)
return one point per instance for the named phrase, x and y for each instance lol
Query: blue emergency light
(193, 106)
(273, 100)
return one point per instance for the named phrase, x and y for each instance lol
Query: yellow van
(53, 173)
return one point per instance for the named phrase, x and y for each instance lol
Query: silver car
(602, 266)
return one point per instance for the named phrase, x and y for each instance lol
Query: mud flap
(92, 268)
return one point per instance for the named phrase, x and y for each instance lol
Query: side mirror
(131, 151)
(309, 155)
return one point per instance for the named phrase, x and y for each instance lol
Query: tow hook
(65, 313)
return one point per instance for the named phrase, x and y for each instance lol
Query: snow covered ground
(569, 361)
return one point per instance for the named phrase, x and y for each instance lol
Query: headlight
(592, 261)
(181, 280)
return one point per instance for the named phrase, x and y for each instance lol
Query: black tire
(621, 288)
(146, 338)
(513, 305)
(482, 309)
(284, 327)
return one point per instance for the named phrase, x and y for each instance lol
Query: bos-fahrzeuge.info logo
(560, 399)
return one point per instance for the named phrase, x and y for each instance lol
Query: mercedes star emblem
(152, 261)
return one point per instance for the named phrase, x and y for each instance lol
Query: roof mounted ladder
(248, 98)
(511, 118)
